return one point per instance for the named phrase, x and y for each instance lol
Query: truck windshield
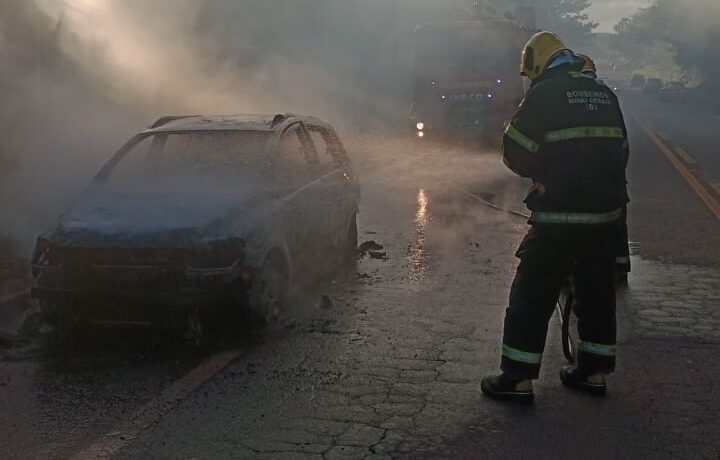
(465, 47)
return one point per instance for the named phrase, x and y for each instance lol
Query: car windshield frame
(105, 173)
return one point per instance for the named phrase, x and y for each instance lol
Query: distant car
(652, 86)
(197, 209)
(673, 92)
(637, 81)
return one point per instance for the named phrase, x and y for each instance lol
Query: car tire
(350, 248)
(269, 291)
(66, 328)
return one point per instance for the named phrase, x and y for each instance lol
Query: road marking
(685, 156)
(663, 136)
(715, 184)
(110, 444)
(712, 204)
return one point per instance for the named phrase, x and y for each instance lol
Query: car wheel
(269, 290)
(194, 331)
(66, 327)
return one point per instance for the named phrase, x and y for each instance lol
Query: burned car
(199, 209)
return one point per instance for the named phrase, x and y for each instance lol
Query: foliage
(564, 17)
(690, 29)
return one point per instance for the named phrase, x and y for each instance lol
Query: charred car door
(295, 190)
(338, 200)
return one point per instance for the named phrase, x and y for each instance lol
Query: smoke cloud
(80, 76)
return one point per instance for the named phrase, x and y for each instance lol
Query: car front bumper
(139, 284)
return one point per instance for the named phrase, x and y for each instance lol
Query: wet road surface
(670, 219)
(390, 367)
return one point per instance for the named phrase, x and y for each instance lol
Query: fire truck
(466, 78)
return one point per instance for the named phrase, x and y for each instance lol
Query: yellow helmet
(538, 52)
(588, 63)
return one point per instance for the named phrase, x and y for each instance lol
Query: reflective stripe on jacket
(588, 218)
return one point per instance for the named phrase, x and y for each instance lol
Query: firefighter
(622, 258)
(569, 137)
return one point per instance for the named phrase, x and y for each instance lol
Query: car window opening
(217, 155)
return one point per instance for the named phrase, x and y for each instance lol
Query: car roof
(244, 122)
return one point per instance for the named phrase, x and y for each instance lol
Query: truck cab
(466, 79)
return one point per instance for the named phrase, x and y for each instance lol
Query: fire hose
(496, 207)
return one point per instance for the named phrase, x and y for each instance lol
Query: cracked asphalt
(388, 367)
(393, 367)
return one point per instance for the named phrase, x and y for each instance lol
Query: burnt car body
(193, 208)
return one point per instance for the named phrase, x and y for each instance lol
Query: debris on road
(378, 255)
(373, 249)
(321, 326)
(370, 246)
(325, 303)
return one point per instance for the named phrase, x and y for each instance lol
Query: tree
(689, 29)
(567, 18)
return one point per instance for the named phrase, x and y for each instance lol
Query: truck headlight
(420, 126)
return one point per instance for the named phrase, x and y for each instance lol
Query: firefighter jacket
(569, 137)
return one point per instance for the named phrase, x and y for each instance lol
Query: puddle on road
(417, 252)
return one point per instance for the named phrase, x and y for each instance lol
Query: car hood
(104, 217)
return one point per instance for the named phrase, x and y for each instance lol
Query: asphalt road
(391, 367)
(669, 219)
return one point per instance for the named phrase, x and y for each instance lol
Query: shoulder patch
(591, 99)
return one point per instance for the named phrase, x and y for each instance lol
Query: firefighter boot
(583, 380)
(507, 389)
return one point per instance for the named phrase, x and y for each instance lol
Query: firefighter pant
(548, 255)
